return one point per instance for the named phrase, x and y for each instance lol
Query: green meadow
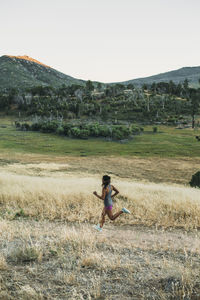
(167, 142)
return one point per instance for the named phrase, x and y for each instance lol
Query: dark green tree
(130, 86)
(99, 86)
(186, 84)
(89, 86)
(194, 99)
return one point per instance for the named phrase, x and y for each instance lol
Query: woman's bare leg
(115, 216)
(103, 214)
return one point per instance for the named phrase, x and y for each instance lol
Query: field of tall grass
(68, 197)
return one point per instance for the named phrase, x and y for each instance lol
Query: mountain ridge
(177, 76)
(23, 72)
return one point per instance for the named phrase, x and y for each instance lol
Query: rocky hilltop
(24, 72)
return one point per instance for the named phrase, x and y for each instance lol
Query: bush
(172, 120)
(36, 126)
(118, 135)
(195, 181)
(60, 130)
(84, 133)
(135, 129)
(25, 127)
(120, 132)
(67, 129)
(155, 129)
(24, 254)
(48, 127)
(76, 132)
(94, 130)
(82, 130)
(104, 131)
(17, 124)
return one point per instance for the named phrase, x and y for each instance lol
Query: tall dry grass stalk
(71, 199)
(3, 263)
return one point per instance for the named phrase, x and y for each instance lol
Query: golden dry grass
(172, 170)
(54, 194)
(75, 262)
(50, 250)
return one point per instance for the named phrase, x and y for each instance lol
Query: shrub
(84, 133)
(104, 131)
(195, 181)
(17, 124)
(120, 132)
(36, 126)
(117, 134)
(94, 129)
(135, 129)
(25, 126)
(172, 120)
(24, 254)
(49, 126)
(67, 129)
(60, 130)
(75, 131)
(155, 129)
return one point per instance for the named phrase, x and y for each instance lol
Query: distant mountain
(24, 72)
(191, 73)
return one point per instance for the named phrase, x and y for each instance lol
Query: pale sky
(103, 40)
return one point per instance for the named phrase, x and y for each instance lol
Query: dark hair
(106, 180)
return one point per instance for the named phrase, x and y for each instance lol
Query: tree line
(158, 102)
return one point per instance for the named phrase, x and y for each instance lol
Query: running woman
(107, 196)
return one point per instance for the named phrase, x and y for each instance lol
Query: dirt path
(156, 239)
(165, 264)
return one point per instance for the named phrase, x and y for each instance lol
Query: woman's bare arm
(102, 197)
(116, 191)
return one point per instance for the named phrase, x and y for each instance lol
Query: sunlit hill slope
(24, 72)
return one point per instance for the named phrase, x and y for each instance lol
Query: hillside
(191, 73)
(24, 72)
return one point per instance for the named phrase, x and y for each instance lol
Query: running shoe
(97, 227)
(126, 211)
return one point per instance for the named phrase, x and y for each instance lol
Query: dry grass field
(50, 250)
